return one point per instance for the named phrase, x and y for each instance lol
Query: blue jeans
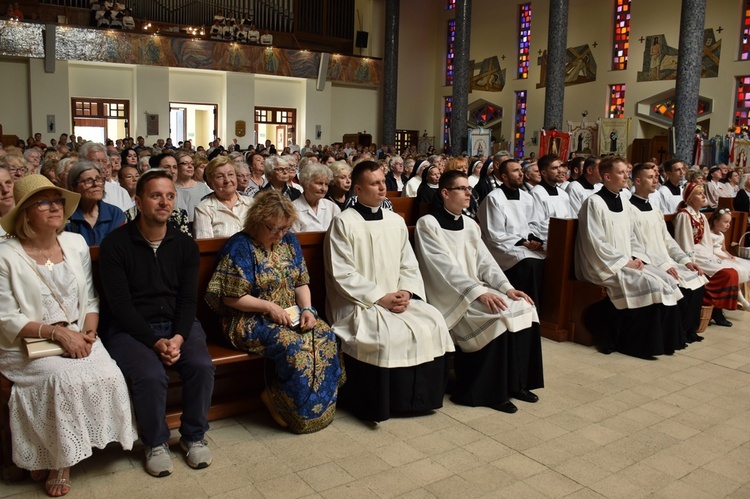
(143, 368)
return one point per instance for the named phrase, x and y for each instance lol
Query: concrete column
(459, 129)
(554, 96)
(689, 57)
(390, 72)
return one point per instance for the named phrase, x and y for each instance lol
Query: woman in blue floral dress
(260, 273)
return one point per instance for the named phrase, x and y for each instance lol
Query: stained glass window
(621, 35)
(450, 4)
(616, 101)
(745, 35)
(447, 115)
(742, 108)
(520, 131)
(524, 40)
(450, 53)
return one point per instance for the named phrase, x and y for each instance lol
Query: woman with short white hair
(315, 212)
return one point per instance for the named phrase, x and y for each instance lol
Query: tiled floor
(606, 426)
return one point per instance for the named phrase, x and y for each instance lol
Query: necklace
(48, 263)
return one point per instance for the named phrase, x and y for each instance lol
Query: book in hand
(37, 348)
(294, 312)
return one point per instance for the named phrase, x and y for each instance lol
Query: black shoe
(718, 317)
(692, 338)
(507, 407)
(526, 396)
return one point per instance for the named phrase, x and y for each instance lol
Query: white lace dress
(59, 407)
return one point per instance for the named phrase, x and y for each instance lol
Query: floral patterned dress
(308, 368)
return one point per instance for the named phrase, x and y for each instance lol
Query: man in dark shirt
(149, 272)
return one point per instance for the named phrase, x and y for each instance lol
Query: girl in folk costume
(720, 223)
(693, 234)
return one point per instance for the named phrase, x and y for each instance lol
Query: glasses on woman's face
(90, 182)
(186, 163)
(281, 170)
(46, 204)
(277, 230)
(22, 170)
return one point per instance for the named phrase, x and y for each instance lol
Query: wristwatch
(309, 309)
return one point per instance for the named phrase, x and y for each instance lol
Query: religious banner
(479, 142)
(614, 136)
(740, 153)
(554, 142)
(584, 138)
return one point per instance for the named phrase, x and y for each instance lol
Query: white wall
(15, 100)
(43, 101)
(356, 110)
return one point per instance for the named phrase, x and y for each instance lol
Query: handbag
(742, 251)
(36, 348)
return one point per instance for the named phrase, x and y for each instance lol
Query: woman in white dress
(315, 213)
(223, 212)
(60, 406)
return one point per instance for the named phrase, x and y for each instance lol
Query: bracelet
(39, 331)
(309, 309)
(52, 334)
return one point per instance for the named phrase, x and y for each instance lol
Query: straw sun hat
(27, 187)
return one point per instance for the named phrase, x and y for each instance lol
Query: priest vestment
(506, 217)
(642, 320)
(549, 201)
(394, 361)
(498, 354)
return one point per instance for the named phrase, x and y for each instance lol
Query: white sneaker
(159, 461)
(198, 454)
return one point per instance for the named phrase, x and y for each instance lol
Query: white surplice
(661, 249)
(578, 194)
(504, 222)
(668, 201)
(364, 261)
(458, 268)
(308, 220)
(605, 243)
(546, 207)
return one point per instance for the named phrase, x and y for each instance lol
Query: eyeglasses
(276, 230)
(281, 170)
(46, 204)
(186, 163)
(23, 170)
(89, 182)
(464, 188)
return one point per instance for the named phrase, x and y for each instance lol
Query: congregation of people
(468, 288)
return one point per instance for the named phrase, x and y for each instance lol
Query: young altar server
(495, 327)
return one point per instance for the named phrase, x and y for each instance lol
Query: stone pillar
(557, 40)
(689, 57)
(459, 129)
(390, 71)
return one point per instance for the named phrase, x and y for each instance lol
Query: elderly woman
(188, 190)
(394, 179)
(93, 218)
(223, 213)
(314, 212)
(257, 169)
(339, 189)
(693, 233)
(63, 167)
(6, 195)
(128, 178)
(16, 165)
(278, 175)
(260, 277)
(61, 405)
(243, 175)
